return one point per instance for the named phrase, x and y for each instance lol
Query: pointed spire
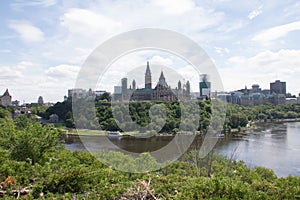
(179, 85)
(6, 93)
(148, 77)
(162, 75)
(162, 80)
(148, 72)
(188, 87)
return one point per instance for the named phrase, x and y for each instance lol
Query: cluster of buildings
(6, 100)
(276, 94)
(255, 95)
(161, 92)
(79, 93)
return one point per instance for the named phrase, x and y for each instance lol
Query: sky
(44, 43)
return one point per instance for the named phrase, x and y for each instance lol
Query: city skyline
(43, 53)
(98, 92)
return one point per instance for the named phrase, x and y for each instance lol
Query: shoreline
(251, 125)
(235, 131)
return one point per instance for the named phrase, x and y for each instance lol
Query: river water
(272, 145)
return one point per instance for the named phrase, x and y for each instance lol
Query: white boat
(115, 134)
(219, 136)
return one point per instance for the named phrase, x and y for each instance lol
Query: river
(272, 145)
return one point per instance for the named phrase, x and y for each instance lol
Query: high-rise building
(205, 86)
(76, 93)
(278, 87)
(40, 101)
(133, 85)
(124, 85)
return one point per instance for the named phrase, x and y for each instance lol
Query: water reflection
(272, 145)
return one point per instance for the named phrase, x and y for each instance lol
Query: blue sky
(45, 42)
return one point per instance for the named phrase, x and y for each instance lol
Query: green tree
(22, 122)
(3, 112)
(33, 142)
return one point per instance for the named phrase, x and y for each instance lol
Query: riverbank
(236, 131)
(276, 120)
(252, 124)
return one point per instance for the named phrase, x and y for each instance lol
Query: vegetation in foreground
(31, 159)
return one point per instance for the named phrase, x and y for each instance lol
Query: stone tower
(179, 85)
(148, 84)
(133, 85)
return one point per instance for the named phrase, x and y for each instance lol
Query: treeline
(33, 160)
(109, 113)
(239, 116)
(178, 116)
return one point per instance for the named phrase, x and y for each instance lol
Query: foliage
(139, 113)
(62, 174)
(3, 112)
(31, 156)
(29, 142)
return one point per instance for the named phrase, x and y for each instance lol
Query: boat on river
(115, 134)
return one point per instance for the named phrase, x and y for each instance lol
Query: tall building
(278, 87)
(5, 99)
(205, 87)
(117, 96)
(76, 93)
(255, 88)
(148, 83)
(40, 101)
(179, 85)
(133, 85)
(79, 93)
(161, 92)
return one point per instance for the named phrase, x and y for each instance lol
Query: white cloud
(87, 22)
(63, 72)
(27, 31)
(276, 32)
(263, 68)
(161, 61)
(24, 65)
(255, 13)
(9, 73)
(292, 10)
(15, 71)
(221, 51)
(43, 3)
(231, 26)
(74, 29)
(5, 51)
(175, 7)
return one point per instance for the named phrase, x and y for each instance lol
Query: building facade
(79, 93)
(40, 101)
(278, 87)
(205, 87)
(5, 99)
(161, 92)
(256, 96)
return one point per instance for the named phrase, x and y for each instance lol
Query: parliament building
(161, 92)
